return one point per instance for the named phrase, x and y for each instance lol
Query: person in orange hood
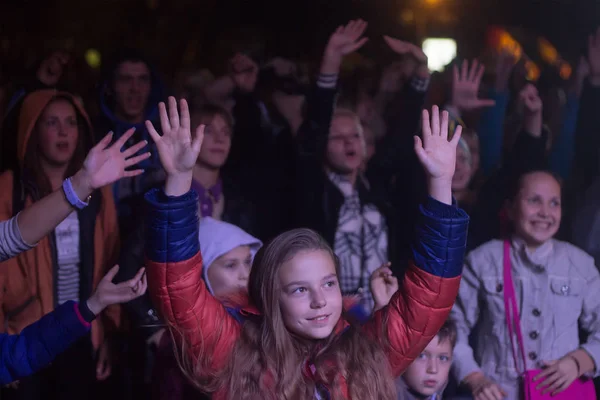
(54, 136)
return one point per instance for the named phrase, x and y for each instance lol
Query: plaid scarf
(361, 241)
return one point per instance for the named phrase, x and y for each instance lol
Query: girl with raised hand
(77, 232)
(104, 165)
(294, 342)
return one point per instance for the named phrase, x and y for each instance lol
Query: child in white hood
(227, 252)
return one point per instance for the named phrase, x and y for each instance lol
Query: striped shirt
(67, 247)
(11, 242)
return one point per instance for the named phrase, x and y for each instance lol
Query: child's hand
(557, 375)
(107, 293)
(177, 151)
(383, 286)
(437, 154)
(484, 388)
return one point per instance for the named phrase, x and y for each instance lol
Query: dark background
(203, 33)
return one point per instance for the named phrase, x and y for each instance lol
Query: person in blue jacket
(39, 343)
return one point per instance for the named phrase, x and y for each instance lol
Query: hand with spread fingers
(106, 164)
(345, 40)
(437, 154)
(176, 148)
(465, 87)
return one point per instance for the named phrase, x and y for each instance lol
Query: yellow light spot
(93, 58)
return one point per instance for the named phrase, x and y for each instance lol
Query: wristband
(72, 197)
(85, 312)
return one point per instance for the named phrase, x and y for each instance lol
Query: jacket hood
(218, 238)
(31, 110)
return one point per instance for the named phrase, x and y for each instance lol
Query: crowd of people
(375, 233)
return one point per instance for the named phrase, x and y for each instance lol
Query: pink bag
(581, 389)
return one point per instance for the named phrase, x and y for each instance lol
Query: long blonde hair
(268, 362)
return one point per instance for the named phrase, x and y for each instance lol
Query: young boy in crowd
(427, 377)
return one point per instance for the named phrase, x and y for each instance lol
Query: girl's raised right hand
(177, 151)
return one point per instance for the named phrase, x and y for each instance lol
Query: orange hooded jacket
(27, 281)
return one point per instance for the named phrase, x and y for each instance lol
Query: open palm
(347, 39)
(435, 152)
(105, 165)
(465, 87)
(176, 149)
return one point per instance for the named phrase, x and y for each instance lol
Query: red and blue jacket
(411, 319)
(39, 343)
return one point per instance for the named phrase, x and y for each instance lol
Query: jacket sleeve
(312, 135)
(589, 320)
(465, 314)
(419, 309)
(491, 132)
(174, 268)
(11, 241)
(39, 343)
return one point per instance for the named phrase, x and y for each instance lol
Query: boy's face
(429, 372)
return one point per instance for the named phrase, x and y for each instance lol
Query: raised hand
(594, 57)
(106, 164)
(530, 100)
(347, 39)
(531, 105)
(465, 87)
(108, 293)
(244, 72)
(582, 72)
(403, 48)
(176, 149)
(383, 286)
(437, 154)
